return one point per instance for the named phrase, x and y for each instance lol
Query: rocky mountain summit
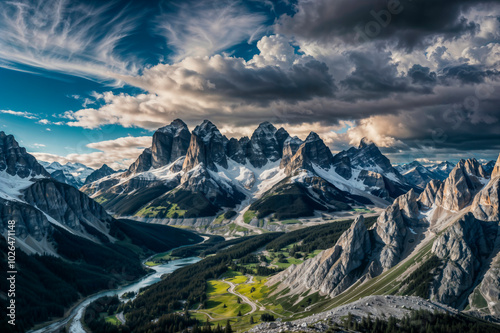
(15, 161)
(99, 173)
(450, 233)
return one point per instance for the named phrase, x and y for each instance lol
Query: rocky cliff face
(143, 163)
(393, 228)
(490, 287)
(428, 196)
(169, 143)
(463, 248)
(495, 173)
(264, 145)
(313, 150)
(290, 147)
(15, 161)
(207, 146)
(463, 183)
(333, 270)
(485, 205)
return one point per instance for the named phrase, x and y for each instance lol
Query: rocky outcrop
(264, 145)
(281, 136)
(207, 147)
(170, 143)
(16, 161)
(99, 173)
(333, 270)
(428, 196)
(462, 247)
(486, 203)
(143, 163)
(290, 147)
(313, 150)
(490, 287)
(463, 183)
(343, 166)
(236, 149)
(495, 173)
(392, 228)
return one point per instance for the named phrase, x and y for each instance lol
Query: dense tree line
(419, 321)
(319, 237)
(213, 245)
(187, 284)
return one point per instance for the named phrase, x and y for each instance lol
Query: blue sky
(90, 82)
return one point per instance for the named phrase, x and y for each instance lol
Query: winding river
(73, 319)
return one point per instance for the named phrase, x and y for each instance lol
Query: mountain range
(443, 244)
(271, 174)
(437, 235)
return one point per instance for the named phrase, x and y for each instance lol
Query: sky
(90, 82)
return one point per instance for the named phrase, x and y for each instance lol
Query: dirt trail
(245, 299)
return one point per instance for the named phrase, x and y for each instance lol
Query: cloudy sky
(90, 82)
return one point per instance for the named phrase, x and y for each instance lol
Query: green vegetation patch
(248, 216)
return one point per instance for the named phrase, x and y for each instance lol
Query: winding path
(121, 317)
(245, 299)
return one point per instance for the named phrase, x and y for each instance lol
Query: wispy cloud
(207, 27)
(61, 36)
(23, 114)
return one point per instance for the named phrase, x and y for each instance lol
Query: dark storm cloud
(467, 73)
(408, 23)
(270, 83)
(420, 74)
(375, 76)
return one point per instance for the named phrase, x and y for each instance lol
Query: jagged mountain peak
(102, 172)
(312, 151)
(207, 146)
(266, 127)
(16, 161)
(207, 130)
(174, 127)
(313, 136)
(472, 167)
(365, 142)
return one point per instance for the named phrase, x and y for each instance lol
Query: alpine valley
(292, 237)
